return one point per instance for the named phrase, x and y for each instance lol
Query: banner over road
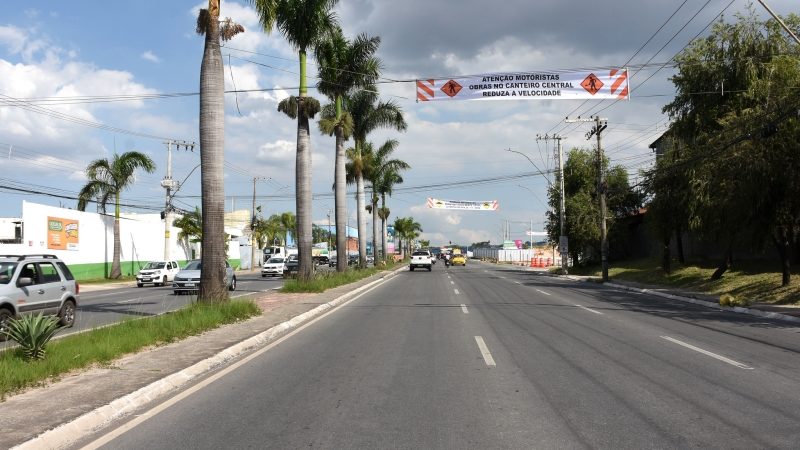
(435, 203)
(598, 84)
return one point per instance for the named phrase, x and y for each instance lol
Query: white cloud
(150, 56)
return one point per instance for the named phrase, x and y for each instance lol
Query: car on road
(292, 266)
(188, 279)
(157, 272)
(458, 260)
(421, 259)
(31, 284)
(273, 267)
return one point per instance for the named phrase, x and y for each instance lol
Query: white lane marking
(464, 308)
(452, 282)
(456, 291)
(542, 292)
(708, 353)
(487, 356)
(517, 282)
(589, 309)
(502, 277)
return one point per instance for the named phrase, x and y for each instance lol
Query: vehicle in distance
(32, 284)
(188, 279)
(292, 266)
(273, 267)
(421, 259)
(458, 260)
(157, 272)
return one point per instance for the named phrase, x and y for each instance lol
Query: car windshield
(420, 254)
(154, 265)
(7, 271)
(275, 260)
(193, 265)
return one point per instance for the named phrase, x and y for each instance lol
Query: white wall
(141, 236)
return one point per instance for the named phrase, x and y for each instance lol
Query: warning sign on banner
(596, 84)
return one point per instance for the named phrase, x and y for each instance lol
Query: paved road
(492, 357)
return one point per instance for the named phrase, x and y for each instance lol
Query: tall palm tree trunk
(303, 194)
(212, 133)
(116, 270)
(362, 221)
(384, 233)
(374, 212)
(341, 203)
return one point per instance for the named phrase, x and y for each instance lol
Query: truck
(280, 251)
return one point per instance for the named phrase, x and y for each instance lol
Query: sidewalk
(74, 406)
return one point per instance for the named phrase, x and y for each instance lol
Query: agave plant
(32, 333)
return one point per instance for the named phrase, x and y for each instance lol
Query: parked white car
(157, 272)
(273, 267)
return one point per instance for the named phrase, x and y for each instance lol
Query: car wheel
(67, 314)
(232, 287)
(5, 318)
(412, 268)
(430, 269)
(139, 284)
(164, 281)
(263, 276)
(176, 292)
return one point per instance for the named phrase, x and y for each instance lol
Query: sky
(81, 80)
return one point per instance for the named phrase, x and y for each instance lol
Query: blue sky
(92, 48)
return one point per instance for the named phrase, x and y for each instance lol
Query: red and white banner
(597, 84)
(435, 203)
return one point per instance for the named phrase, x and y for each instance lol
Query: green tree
(107, 180)
(191, 226)
(384, 187)
(213, 285)
(381, 169)
(407, 230)
(368, 115)
(582, 222)
(304, 24)
(741, 149)
(343, 68)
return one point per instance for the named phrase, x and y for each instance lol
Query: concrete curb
(707, 304)
(737, 309)
(66, 434)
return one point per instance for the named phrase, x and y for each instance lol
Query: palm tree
(368, 115)
(383, 213)
(191, 225)
(304, 24)
(213, 286)
(379, 170)
(343, 67)
(288, 224)
(108, 179)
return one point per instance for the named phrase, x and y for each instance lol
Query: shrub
(32, 333)
(725, 299)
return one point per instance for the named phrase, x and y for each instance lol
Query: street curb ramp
(68, 433)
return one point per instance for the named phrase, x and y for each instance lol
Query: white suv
(157, 272)
(421, 258)
(32, 284)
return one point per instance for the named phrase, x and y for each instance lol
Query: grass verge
(327, 280)
(104, 345)
(757, 281)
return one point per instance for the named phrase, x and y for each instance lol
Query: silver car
(188, 279)
(31, 284)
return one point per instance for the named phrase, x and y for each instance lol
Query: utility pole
(168, 183)
(563, 241)
(600, 124)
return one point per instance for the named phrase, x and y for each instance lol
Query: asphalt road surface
(494, 357)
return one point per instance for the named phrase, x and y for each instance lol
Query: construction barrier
(533, 262)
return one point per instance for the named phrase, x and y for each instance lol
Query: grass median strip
(328, 280)
(104, 345)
